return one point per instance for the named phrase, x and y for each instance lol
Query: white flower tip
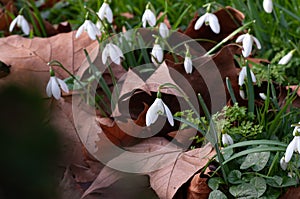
(268, 6)
(263, 96)
(242, 94)
(283, 164)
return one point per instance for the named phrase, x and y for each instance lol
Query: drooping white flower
(285, 59)
(164, 30)
(242, 93)
(243, 75)
(54, 85)
(247, 41)
(114, 52)
(294, 145)
(157, 54)
(209, 19)
(283, 163)
(21, 22)
(90, 28)
(226, 139)
(262, 96)
(158, 108)
(149, 17)
(105, 12)
(268, 6)
(188, 64)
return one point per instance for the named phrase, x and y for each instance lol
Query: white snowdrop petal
(163, 30)
(240, 38)
(169, 114)
(114, 54)
(109, 14)
(48, 88)
(242, 76)
(285, 59)
(90, 30)
(151, 18)
(25, 26)
(55, 88)
(283, 164)
(199, 22)
(101, 11)
(256, 42)
(105, 53)
(290, 150)
(152, 113)
(263, 96)
(13, 24)
(242, 94)
(247, 45)
(252, 76)
(214, 23)
(63, 85)
(188, 65)
(268, 6)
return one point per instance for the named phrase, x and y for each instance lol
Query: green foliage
(236, 122)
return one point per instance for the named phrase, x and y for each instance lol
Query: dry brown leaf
(106, 178)
(294, 87)
(86, 173)
(174, 166)
(60, 113)
(28, 58)
(169, 179)
(198, 188)
(68, 188)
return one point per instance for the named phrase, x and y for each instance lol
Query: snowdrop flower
(112, 51)
(149, 17)
(268, 6)
(54, 85)
(105, 12)
(262, 96)
(283, 163)
(21, 22)
(90, 28)
(247, 41)
(188, 64)
(157, 54)
(242, 93)
(243, 75)
(294, 145)
(209, 19)
(158, 108)
(226, 139)
(285, 59)
(164, 30)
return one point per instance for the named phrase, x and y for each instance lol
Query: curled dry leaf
(229, 18)
(68, 187)
(28, 58)
(170, 178)
(198, 188)
(165, 163)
